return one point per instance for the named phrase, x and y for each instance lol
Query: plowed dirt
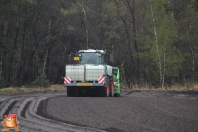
(135, 111)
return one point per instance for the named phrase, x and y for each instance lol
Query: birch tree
(159, 44)
(188, 34)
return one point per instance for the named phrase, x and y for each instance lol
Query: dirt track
(135, 111)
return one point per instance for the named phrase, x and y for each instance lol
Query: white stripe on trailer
(101, 79)
(67, 80)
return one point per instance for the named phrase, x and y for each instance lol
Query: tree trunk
(164, 71)
(20, 74)
(123, 76)
(86, 26)
(193, 57)
(128, 41)
(1, 65)
(3, 49)
(45, 61)
(101, 37)
(12, 55)
(47, 51)
(156, 42)
(132, 12)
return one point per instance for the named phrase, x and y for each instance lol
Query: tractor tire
(102, 92)
(107, 91)
(111, 88)
(111, 94)
(118, 94)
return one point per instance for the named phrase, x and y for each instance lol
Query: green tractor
(90, 71)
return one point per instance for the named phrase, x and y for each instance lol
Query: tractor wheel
(111, 94)
(103, 92)
(117, 94)
(107, 89)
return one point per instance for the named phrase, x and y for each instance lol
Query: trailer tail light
(101, 79)
(67, 80)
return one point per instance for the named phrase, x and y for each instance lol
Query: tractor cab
(96, 57)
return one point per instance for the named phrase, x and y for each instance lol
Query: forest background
(154, 42)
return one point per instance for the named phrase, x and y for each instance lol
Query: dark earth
(134, 111)
(150, 111)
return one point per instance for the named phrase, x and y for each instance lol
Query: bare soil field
(53, 111)
(135, 111)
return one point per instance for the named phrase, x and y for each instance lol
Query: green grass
(175, 87)
(24, 90)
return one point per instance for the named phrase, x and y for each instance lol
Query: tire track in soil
(135, 111)
(27, 109)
